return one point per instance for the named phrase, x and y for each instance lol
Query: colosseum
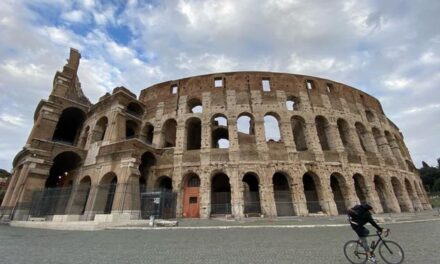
(237, 144)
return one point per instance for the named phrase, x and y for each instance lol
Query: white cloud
(386, 48)
(76, 16)
(9, 119)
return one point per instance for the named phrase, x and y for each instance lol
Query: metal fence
(84, 202)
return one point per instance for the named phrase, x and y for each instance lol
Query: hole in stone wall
(272, 128)
(265, 83)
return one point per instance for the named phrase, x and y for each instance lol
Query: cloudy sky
(390, 49)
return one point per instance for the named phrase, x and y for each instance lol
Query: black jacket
(359, 216)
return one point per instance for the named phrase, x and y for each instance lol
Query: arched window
(193, 133)
(100, 129)
(272, 128)
(344, 132)
(292, 103)
(69, 126)
(220, 134)
(299, 136)
(245, 129)
(195, 105)
(131, 129)
(148, 133)
(323, 129)
(168, 134)
(370, 115)
(135, 109)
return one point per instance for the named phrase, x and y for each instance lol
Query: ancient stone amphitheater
(239, 144)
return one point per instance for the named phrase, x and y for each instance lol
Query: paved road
(258, 245)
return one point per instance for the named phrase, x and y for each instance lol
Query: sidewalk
(223, 223)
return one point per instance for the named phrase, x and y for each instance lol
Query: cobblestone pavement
(238, 245)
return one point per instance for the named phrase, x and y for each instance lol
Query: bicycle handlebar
(385, 232)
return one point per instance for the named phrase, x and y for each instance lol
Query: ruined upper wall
(244, 83)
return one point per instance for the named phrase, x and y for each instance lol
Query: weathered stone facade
(213, 139)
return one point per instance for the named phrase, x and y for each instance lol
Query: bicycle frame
(376, 243)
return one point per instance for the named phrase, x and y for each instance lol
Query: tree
(430, 176)
(4, 173)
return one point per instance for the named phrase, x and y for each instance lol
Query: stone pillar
(397, 154)
(267, 198)
(237, 201)
(157, 134)
(287, 135)
(312, 139)
(335, 141)
(326, 199)
(261, 139)
(392, 202)
(350, 195)
(205, 195)
(116, 125)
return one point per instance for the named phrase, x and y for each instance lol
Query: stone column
(237, 201)
(312, 140)
(116, 125)
(158, 123)
(326, 199)
(287, 135)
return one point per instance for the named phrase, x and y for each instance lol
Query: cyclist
(358, 216)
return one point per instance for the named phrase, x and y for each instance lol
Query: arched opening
(360, 187)
(292, 103)
(398, 191)
(299, 136)
(106, 193)
(164, 184)
(282, 194)
(131, 129)
(310, 182)
(323, 130)
(336, 180)
(220, 194)
(135, 109)
(148, 133)
(195, 105)
(100, 129)
(272, 128)
(379, 185)
(245, 129)
(363, 136)
(191, 196)
(69, 126)
(380, 141)
(344, 132)
(220, 134)
(401, 145)
(251, 194)
(395, 150)
(53, 199)
(193, 133)
(147, 161)
(370, 116)
(168, 134)
(63, 170)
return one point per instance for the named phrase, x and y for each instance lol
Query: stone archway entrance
(311, 193)
(336, 180)
(220, 194)
(251, 195)
(191, 198)
(379, 185)
(282, 194)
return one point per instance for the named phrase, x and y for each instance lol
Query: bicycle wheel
(391, 252)
(355, 252)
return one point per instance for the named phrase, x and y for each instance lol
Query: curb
(257, 226)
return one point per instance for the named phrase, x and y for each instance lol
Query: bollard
(151, 223)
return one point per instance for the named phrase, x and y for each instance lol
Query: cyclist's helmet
(366, 206)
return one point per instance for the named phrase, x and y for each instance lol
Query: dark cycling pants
(362, 233)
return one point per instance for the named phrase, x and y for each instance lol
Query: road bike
(389, 251)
